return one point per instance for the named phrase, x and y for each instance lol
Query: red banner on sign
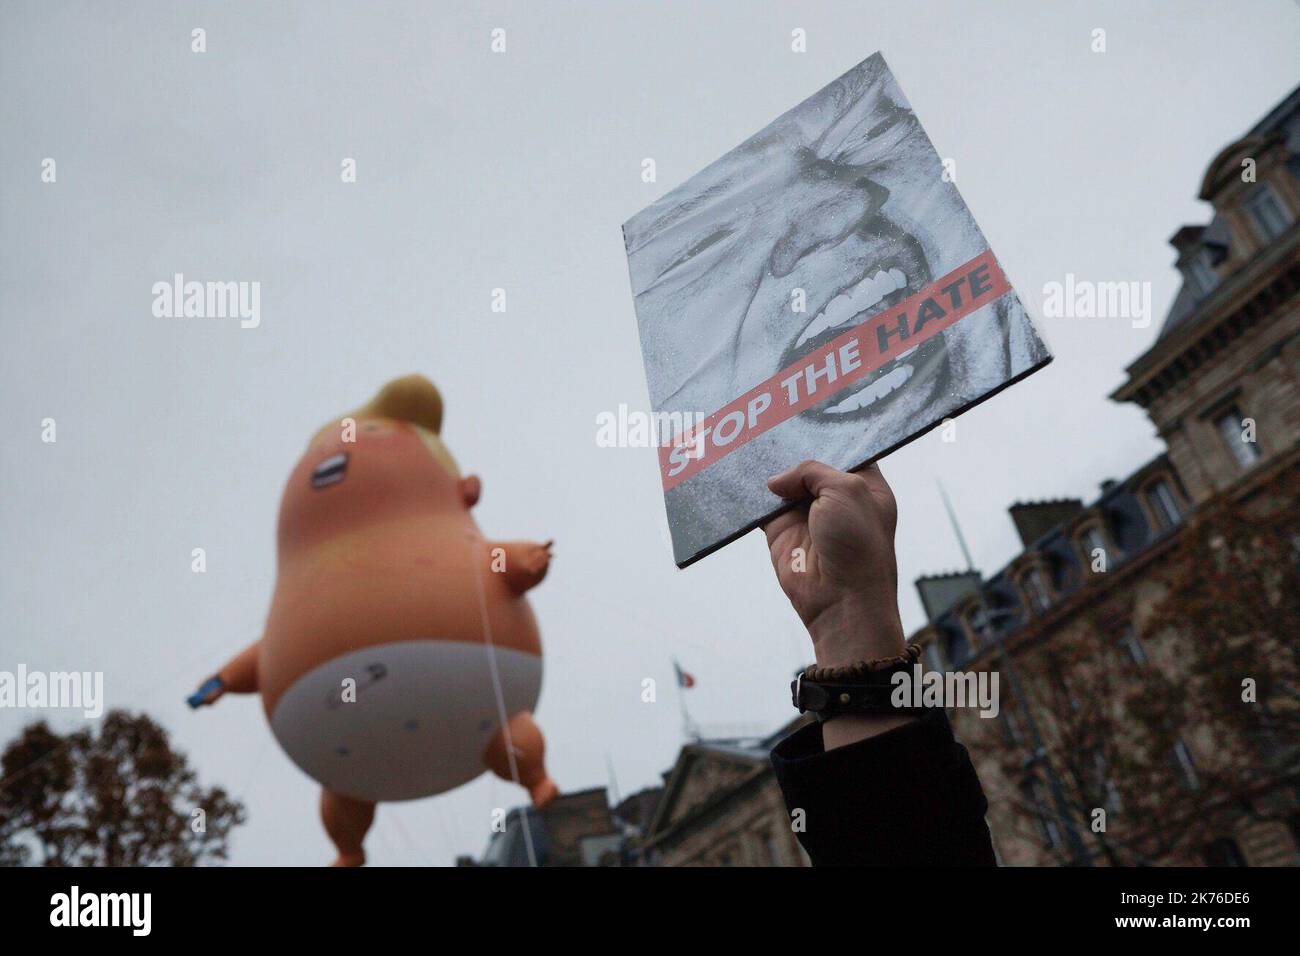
(835, 366)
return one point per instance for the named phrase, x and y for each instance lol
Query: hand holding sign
(847, 591)
(834, 558)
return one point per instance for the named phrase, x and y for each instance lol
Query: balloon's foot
(350, 859)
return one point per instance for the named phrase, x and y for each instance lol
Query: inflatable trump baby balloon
(400, 657)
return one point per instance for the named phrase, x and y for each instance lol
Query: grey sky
(476, 171)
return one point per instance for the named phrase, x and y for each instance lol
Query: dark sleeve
(909, 797)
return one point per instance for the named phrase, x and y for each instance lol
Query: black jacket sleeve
(909, 797)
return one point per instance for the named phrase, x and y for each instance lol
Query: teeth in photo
(850, 302)
(873, 392)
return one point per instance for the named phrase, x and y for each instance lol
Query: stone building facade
(1221, 384)
(575, 829)
(721, 806)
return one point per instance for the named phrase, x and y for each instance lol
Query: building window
(1133, 644)
(1114, 802)
(1104, 782)
(1035, 588)
(1091, 540)
(1233, 432)
(1164, 505)
(1067, 685)
(1182, 756)
(977, 624)
(1202, 273)
(1266, 210)
(1011, 729)
(1223, 852)
(958, 646)
(1032, 794)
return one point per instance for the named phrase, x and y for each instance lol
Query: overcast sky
(515, 170)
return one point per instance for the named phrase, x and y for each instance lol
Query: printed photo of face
(842, 202)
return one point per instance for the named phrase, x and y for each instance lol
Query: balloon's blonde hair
(416, 400)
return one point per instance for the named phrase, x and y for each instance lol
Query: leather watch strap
(870, 695)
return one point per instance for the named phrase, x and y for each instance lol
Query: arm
(239, 676)
(874, 789)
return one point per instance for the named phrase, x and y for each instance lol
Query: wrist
(856, 630)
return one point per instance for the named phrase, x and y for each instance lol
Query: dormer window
(958, 647)
(1034, 584)
(1267, 212)
(977, 626)
(1202, 273)
(1093, 540)
(1164, 504)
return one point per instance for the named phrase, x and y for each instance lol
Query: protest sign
(821, 291)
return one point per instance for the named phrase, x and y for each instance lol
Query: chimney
(939, 592)
(1034, 519)
(1186, 239)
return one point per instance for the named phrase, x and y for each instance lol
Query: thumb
(810, 478)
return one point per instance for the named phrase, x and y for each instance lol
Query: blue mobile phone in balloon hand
(199, 697)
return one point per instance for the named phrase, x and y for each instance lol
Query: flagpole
(956, 528)
(614, 797)
(689, 728)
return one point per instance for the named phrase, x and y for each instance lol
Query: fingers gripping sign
(844, 537)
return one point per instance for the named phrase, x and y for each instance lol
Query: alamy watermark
(53, 690)
(179, 299)
(930, 688)
(1085, 299)
(633, 428)
(133, 911)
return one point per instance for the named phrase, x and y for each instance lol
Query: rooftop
(1005, 608)
(1282, 121)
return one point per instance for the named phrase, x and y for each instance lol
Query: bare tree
(1101, 779)
(1175, 747)
(119, 797)
(1232, 612)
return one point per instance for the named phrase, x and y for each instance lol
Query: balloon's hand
(208, 693)
(524, 563)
